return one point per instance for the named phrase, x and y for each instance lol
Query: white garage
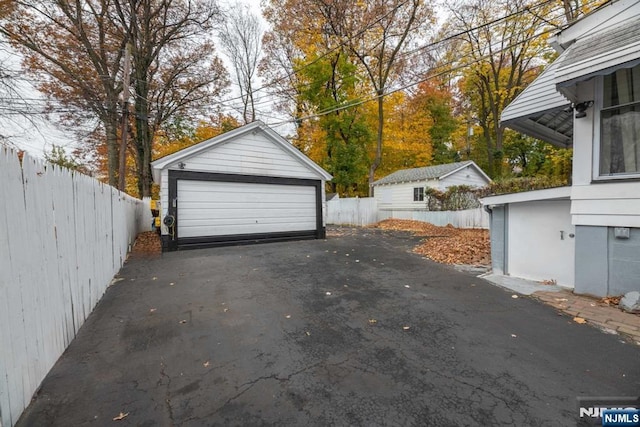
(247, 185)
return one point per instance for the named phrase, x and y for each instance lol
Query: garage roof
(257, 126)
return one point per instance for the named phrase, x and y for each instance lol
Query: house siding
(249, 154)
(467, 176)
(400, 196)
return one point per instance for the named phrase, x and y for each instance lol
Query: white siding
(536, 250)
(249, 154)
(467, 176)
(615, 204)
(63, 236)
(210, 208)
(400, 196)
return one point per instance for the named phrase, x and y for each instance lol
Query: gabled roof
(600, 54)
(598, 44)
(428, 173)
(257, 126)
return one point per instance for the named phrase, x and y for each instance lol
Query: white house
(246, 185)
(586, 236)
(405, 189)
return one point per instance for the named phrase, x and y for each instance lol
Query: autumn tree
(76, 51)
(499, 58)
(377, 32)
(76, 48)
(240, 36)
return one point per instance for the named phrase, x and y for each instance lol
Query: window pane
(620, 140)
(622, 87)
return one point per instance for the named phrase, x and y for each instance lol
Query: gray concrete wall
(498, 230)
(624, 262)
(605, 264)
(592, 261)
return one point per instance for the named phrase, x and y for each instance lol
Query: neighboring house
(586, 236)
(405, 189)
(246, 185)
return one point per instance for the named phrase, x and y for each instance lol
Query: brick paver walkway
(606, 317)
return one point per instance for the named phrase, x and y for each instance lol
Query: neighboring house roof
(600, 43)
(428, 173)
(208, 144)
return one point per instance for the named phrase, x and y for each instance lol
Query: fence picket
(63, 236)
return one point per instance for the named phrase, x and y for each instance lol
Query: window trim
(420, 194)
(597, 138)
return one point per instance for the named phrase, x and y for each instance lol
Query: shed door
(211, 212)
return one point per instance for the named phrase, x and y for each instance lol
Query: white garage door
(214, 208)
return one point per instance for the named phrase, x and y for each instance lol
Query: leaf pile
(147, 244)
(447, 245)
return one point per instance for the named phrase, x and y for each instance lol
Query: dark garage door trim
(174, 242)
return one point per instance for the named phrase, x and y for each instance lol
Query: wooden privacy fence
(63, 237)
(352, 211)
(364, 211)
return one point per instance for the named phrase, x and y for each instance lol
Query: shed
(247, 185)
(404, 189)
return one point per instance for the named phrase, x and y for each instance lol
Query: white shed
(404, 189)
(246, 185)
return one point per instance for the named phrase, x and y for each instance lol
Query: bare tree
(241, 35)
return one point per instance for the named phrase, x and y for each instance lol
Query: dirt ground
(447, 245)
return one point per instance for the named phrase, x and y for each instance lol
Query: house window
(620, 123)
(418, 194)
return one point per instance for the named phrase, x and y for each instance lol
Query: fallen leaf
(357, 260)
(183, 321)
(561, 299)
(406, 328)
(372, 321)
(170, 284)
(152, 310)
(514, 336)
(288, 316)
(308, 256)
(154, 278)
(407, 286)
(328, 293)
(347, 254)
(206, 364)
(579, 320)
(308, 333)
(225, 310)
(514, 296)
(121, 416)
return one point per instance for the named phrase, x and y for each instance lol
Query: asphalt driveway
(354, 330)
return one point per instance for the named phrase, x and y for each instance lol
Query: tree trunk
(378, 159)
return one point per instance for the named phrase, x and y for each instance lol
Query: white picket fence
(352, 211)
(364, 211)
(63, 237)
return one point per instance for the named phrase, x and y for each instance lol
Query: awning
(541, 111)
(599, 54)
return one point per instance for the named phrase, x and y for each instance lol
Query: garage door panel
(214, 208)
